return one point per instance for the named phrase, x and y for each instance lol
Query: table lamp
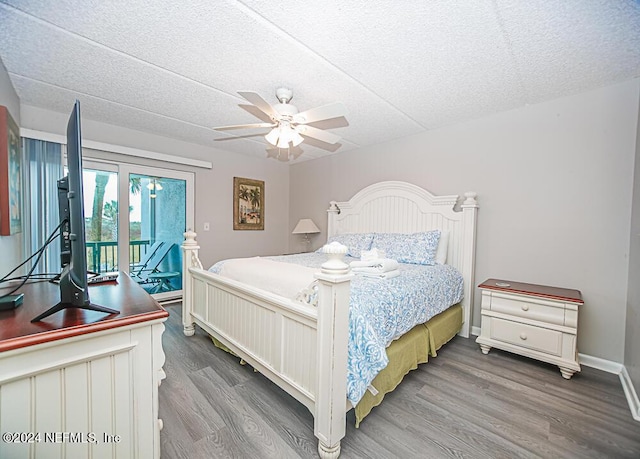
(306, 227)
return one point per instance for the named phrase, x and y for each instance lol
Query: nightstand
(532, 320)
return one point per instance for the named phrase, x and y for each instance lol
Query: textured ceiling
(401, 67)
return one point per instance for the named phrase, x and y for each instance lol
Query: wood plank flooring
(461, 404)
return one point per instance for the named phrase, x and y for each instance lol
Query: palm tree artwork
(249, 197)
(254, 197)
(249, 204)
(243, 196)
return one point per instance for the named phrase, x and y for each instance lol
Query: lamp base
(307, 243)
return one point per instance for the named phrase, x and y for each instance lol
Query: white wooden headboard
(400, 207)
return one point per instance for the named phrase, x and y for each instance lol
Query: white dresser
(532, 320)
(80, 383)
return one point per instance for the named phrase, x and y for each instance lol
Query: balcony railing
(103, 256)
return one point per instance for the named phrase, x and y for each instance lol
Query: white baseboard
(610, 367)
(600, 364)
(630, 392)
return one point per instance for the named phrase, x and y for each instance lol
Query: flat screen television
(74, 289)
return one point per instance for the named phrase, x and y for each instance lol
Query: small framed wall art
(248, 204)
(10, 175)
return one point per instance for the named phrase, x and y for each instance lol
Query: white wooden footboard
(300, 347)
(303, 348)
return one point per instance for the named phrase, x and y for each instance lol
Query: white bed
(302, 347)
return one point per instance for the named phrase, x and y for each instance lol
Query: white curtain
(44, 168)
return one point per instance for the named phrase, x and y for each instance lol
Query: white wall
(632, 335)
(213, 188)
(554, 185)
(10, 246)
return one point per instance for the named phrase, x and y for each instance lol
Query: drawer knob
(525, 307)
(523, 336)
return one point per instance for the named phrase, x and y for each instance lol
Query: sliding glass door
(135, 217)
(157, 222)
(100, 186)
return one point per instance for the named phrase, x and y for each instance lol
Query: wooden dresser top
(125, 295)
(543, 291)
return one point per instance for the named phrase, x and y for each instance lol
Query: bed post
(189, 260)
(332, 213)
(333, 336)
(469, 215)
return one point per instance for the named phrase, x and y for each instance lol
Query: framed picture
(10, 175)
(248, 204)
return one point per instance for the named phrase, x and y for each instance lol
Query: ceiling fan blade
(325, 112)
(257, 100)
(255, 111)
(244, 126)
(235, 137)
(316, 133)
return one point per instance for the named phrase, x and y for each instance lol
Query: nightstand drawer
(533, 310)
(527, 336)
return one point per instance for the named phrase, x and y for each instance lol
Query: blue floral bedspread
(382, 310)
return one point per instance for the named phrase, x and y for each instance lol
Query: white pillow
(443, 247)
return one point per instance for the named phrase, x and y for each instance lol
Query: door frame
(124, 171)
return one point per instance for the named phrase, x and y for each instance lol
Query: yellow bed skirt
(407, 352)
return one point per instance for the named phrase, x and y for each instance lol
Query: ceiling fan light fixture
(272, 136)
(296, 139)
(283, 135)
(287, 123)
(282, 143)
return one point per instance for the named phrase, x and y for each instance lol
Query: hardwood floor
(460, 404)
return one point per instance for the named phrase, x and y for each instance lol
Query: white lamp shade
(282, 142)
(272, 136)
(283, 135)
(305, 226)
(296, 139)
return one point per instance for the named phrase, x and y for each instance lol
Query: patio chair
(149, 275)
(142, 264)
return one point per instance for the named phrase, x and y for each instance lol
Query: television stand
(61, 306)
(85, 381)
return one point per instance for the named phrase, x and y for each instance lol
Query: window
(135, 217)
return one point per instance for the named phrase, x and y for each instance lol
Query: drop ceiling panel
(403, 67)
(70, 62)
(436, 61)
(571, 46)
(61, 100)
(221, 51)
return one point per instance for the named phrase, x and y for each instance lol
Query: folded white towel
(373, 254)
(387, 275)
(381, 265)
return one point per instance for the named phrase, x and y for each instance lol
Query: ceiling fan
(288, 126)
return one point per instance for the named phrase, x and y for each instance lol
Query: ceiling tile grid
(401, 67)
(435, 61)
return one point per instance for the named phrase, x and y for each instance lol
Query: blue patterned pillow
(356, 242)
(416, 248)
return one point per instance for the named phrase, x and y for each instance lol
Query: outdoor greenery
(103, 223)
(102, 227)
